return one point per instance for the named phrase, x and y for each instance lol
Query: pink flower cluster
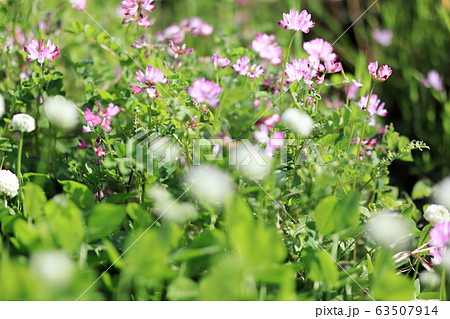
(204, 91)
(243, 67)
(440, 240)
(297, 21)
(177, 32)
(38, 51)
(267, 48)
(176, 50)
(149, 79)
(433, 80)
(381, 74)
(102, 119)
(373, 106)
(135, 9)
(383, 36)
(319, 51)
(367, 145)
(262, 135)
(79, 5)
(219, 62)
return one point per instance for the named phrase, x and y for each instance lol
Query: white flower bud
(23, 123)
(436, 214)
(61, 112)
(298, 121)
(9, 183)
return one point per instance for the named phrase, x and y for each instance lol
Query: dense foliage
(149, 154)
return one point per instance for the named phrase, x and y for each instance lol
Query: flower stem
(19, 159)
(286, 57)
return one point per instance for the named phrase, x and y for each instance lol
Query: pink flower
(38, 51)
(367, 145)
(440, 238)
(149, 79)
(204, 91)
(193, 123)
(267, 48)
(242, 67)
(319, 50)
(374, 107)
(257, 102)
(383, 36)
(297, 22)
(82, 145)
(135, 9)
(332, 67)
(91, 118)
(268, 121)
(175, 50)
(173, 32)
(195, 26)
(219, 62)
(103, 118)
(99, 151)
(433, 80)
(273, 142)
(79, 5)
(131, 7)
(384, 72)
(352, 89)
(300, 69)
(255, 71)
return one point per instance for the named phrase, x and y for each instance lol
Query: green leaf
(421, 190)
(79, 193)
(334, 214)
(34, 199)
(319, 266)
(182, 289)
(386, 284)
(65, 222)
(104, 220)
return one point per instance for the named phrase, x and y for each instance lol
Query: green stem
(19, 159)
(286, 57)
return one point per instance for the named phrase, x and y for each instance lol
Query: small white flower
(442, 192)
(61, 112)
(2, 106)
(169, 208)
(298, 121)
(54, 267)
(436, 214)
(389, 230)
(9, 183)
(23, 122)
(209, 184)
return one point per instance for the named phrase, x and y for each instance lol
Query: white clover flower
(389, 230)
(251, 161)
(2, 106)
(9, 183)
(54, 267)
(209, 184)
(436, 214)
(169, 208)
(61, 112)
(298, 121)
(23, 122)
(442, 192)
